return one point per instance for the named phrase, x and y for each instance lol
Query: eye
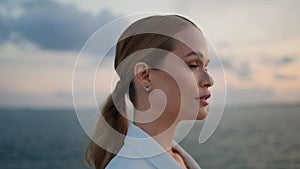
(193, 66)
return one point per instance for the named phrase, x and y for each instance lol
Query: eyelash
(195, 66)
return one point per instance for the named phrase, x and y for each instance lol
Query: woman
(161, 62)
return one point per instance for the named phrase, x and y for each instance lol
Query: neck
(161, 131)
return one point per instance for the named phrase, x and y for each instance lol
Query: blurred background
(258, 42)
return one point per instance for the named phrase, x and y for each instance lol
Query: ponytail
(99, 156)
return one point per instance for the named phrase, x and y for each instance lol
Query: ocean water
(247, 138)
(251, 138)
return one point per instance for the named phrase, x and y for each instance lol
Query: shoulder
(119, 162)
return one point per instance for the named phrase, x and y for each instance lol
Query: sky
(40, 40)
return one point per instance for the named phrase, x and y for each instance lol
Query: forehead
(194, 41)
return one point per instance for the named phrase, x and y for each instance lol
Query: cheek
(170, 87)
(180, 96)
(188, 92)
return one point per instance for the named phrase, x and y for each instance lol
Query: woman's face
(187, 87)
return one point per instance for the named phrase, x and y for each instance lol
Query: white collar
(142, 145)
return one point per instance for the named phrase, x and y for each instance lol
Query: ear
(142, 73)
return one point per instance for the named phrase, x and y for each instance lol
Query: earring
(147, 88)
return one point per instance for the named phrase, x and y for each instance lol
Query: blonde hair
(150, 32)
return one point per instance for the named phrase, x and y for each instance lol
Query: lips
(204, 98)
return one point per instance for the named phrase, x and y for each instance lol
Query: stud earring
(147, 88)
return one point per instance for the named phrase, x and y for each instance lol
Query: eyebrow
(199, 54)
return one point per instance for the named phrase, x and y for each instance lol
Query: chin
(202, 114)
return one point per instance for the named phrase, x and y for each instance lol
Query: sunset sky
(258, 42)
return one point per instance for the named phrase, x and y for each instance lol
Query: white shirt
(141, 151)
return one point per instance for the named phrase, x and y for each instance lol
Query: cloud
(281, 76)
(60, 94)
(250, 95)
(226, 63)
(281, 61)
(215, 64)
(23, 99)
(285, 60)
(51, 25)
(241, 69)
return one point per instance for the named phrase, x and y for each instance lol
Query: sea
(248, 137)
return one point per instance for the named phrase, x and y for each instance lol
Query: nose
(206, 80)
